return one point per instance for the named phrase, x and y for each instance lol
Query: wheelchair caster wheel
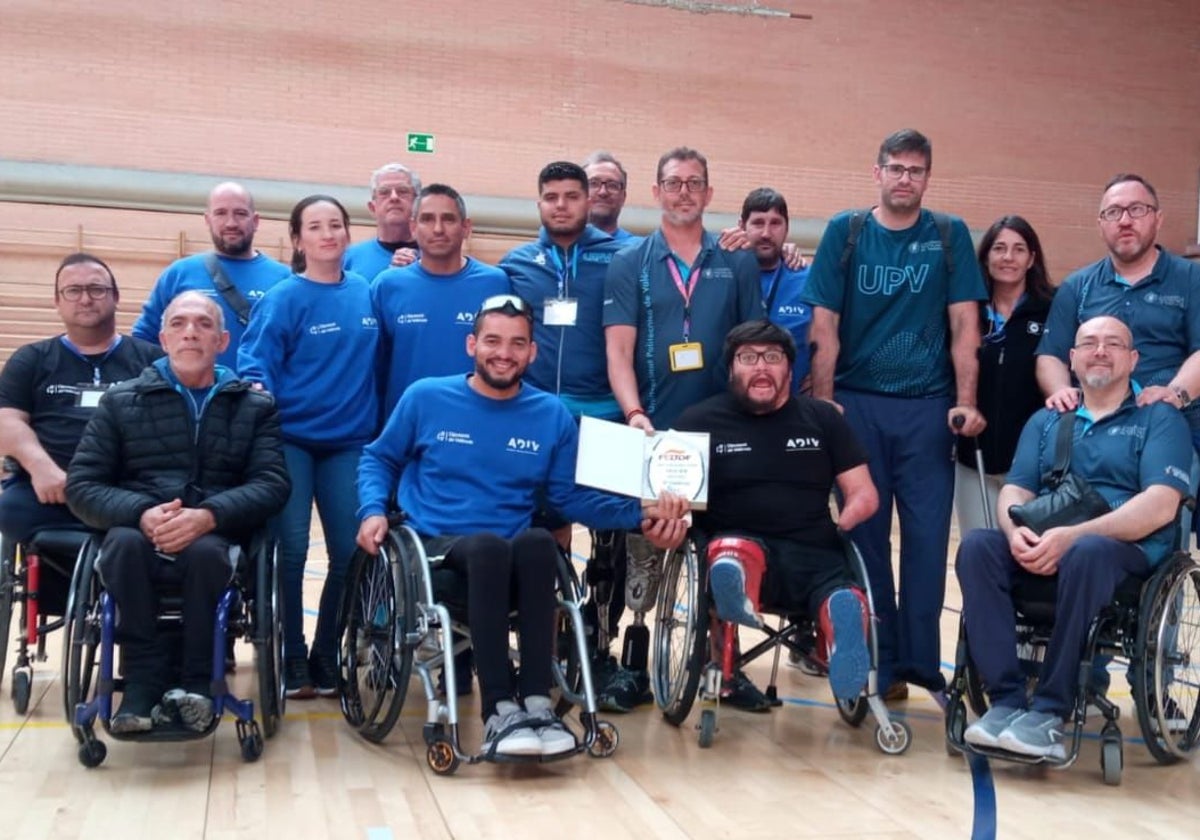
(1111, 760)
(606, 741)
(252, 747)
(441, 758)
(894, 740)
(708, 728)
(22, 688)
(92, 753)
(854, 712)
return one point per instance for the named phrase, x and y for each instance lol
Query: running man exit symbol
(420, 143)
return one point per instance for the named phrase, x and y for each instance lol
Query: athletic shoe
(556, 739)
(644, 570)
(1038, 734)
(986, 731)
(622, 690)
(297, 682)
(849, 659)
(742, 694)
(727, 579)
(323, 671)
(508, 732)
(194, 711)
(896, 692)
(136, 711)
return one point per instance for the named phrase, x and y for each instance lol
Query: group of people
(403, 371)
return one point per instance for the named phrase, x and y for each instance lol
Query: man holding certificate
(775, 458)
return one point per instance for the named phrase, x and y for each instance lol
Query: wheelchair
(683, 670)
(1152, 626)
(392, 623)
(250, 608)
(33, 583)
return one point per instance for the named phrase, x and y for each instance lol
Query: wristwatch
(1185, 399)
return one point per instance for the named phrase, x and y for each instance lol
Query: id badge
(89, 396)
(686, 356)
(560, 312)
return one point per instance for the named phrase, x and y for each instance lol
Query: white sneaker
(555, 736)
(509, 731)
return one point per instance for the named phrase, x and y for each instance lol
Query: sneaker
(727, 579)
(896, 692)
(556, 739)
(742, 694)
(136, 711)
(507, 732)
(297, 682)
(807, 664)
(1037, 734)
(624, 690)
(986, 731)
(849, 659)
(644, 570)
(322, 668)
(194, 711)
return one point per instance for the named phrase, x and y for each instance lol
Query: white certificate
(625, 460)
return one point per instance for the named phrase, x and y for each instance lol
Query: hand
(372, 531)
(182, 529)
(1021, 542)
(665, 533)
(733, 239)
(792, 257)
(668, 506)
(403, 256)
(1064, 399)
(49, 483)
(971, 424)
(1043, 557)
(641, 421)
(158, 515)
(1159, 393)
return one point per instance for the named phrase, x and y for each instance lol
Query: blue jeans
(328, 476)
(22, 515)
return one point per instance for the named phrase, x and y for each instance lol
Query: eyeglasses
(602, 185)
(674, 185)
(399, 192)
(75, 293)
(896, 171)
(508, 304)
(749, 358)
(1090, 345)
(1137, 210)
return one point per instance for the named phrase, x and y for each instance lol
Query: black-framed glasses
(605, 184)
(749, 358)
(674, 185)
(399, 192)
(896, 171)
(94, 292)
(1091, 345)
(1137, 210)
(508, 304)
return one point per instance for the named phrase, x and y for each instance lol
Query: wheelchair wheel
(8, 593)
(1166, 670)
(268, 641)
(567, 690)
(375, 662)
(853, 712)
(81, 642)
(680, 633)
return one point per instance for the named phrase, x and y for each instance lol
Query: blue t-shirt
(1120, 455)
(893, 328)
(425, 319)
(640, 292)
(469, 464)
(626, 238)
(781, 291)
(252, 277)
(571, 360)
(367, 259)
(313, 346)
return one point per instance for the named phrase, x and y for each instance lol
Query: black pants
(502, 574)
(133, 573)
(21, 514)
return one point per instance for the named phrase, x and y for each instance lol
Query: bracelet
(634, 413)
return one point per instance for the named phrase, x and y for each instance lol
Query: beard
(238, 247)
(1098, 379)
(500, 383)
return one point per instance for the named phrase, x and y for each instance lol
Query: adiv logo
(524, 446)
(465, 318)
(803, 444)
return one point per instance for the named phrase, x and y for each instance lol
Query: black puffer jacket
(142, 448)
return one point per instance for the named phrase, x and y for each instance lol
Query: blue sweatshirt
(368, 259)
(469, 464)
(313, 346)
(424, 321)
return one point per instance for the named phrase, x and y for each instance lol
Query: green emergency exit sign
(422, 143)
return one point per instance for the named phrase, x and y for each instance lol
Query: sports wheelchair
(1152, 625)
(33, 582)
(250, 608)
(392, 623)
(683, 668)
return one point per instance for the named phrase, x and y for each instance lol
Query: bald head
(1103, 357)
(1105, 325)
(232, 220)
(196, 300)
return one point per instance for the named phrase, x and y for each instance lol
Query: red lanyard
(685, 291)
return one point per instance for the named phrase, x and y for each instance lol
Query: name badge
(560, 312)
(89, 396)
(686, 356)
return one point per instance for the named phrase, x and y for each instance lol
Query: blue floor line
(983, 822)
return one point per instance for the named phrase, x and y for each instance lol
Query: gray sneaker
(644, 572)
(986, 731)
(556, 739)
(1038, 734)
(509, 731)
(194, 711)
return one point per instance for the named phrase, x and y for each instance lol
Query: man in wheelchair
(471, 456)
(1137, 456)
(775, 456)
(177, 466)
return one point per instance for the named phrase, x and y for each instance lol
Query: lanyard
(685, 290)
(564, 276)
(774, 289)
(66, 342)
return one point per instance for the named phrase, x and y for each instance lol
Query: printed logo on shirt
(803, 444)
(256, 294)
(720, 272)
(1178, 474)
(369, 322)
(1127, 431)
(72, 390)
(922, 247)
(412, 318)
(791, 309)
(446, 436)
(467, 318)
(1173, 301)
(595, 257)
(733, 448)
(889, 279)
(325, 329)
(539, 258)
(1033, 328)
(523, 446)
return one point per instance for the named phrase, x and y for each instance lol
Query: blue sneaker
(727, 580)
(986, 731)
(849, 658)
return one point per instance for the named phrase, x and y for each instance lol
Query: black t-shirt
(47, 380)
(771, 474)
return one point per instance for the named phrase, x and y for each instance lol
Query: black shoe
(620, 689)
(297, 683)
(135, 713)
(323, 670)
(192, 709)
(744, 695)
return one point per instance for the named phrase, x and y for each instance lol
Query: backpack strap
(1063, 442)
(237, 302)
(942, 222)
(858, 218)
